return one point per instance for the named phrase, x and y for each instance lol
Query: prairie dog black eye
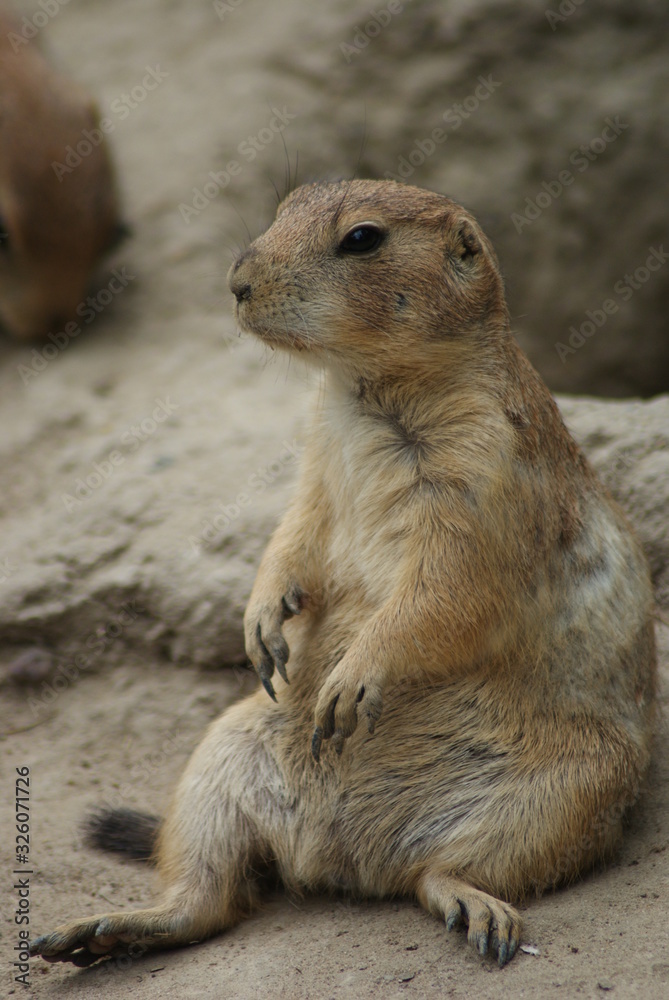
(362, 239)
(4, 236)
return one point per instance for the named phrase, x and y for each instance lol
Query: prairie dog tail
(122, 831)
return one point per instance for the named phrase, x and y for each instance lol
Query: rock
(628, 444)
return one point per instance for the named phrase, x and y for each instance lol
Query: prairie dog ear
(467, 242)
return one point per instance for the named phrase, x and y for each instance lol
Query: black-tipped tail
(122, 831)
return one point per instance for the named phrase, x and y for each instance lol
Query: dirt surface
(145, 573)
(122, 737)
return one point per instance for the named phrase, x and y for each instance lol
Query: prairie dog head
(55, 223)
(371, 277)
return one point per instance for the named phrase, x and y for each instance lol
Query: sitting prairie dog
(53, 228)
(463, 614)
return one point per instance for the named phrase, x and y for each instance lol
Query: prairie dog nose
(240, 289)
(238, 276)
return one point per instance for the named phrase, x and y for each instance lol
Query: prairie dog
(53, 228)
(462, 613)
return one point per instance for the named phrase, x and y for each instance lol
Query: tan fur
(57, 229)
(450, 573)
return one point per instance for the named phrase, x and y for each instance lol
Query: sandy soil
(124, 736)
(123, 729)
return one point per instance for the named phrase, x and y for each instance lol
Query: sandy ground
(122, 730)
(122, 737)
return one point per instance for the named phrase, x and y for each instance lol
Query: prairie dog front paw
(350, 693)
(266, 646)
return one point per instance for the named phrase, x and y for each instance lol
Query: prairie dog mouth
(285, 339)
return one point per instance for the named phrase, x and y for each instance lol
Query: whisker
(276, 191)
(242, 220)
(363, 143)
(340, 206)
(287, 179)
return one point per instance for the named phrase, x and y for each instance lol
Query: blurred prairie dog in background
(463, 613)
(54, 223)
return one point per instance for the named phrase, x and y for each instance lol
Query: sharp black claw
(281, 667)
(503, 953)
(316, 741)
(267, 684)
(482, 943)
(513, 945)
(329, 727)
